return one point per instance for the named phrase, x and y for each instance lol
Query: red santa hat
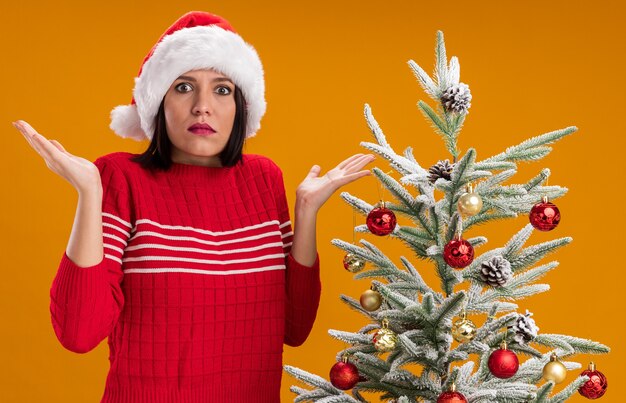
(197, 40)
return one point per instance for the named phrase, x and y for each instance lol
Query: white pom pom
(125, 122)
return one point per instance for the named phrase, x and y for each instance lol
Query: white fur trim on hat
(189, 49)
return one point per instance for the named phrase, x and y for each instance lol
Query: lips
(201, 129)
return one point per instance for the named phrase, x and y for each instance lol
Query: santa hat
(197, 40)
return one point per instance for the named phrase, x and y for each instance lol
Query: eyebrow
(217, 79)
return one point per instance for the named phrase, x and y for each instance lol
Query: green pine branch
(422, 316)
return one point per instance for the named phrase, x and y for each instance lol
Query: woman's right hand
(79, 172)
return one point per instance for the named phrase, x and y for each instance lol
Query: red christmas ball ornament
(545, 216)
(596, 386)
(451, 396)
(458, 253)
(381, 221)
(344, 375)
(503, 363)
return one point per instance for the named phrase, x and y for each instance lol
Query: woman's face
(199, 115)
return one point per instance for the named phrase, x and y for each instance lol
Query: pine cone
(496, 271)
(457, 98)
(525, 328)
(442, 169)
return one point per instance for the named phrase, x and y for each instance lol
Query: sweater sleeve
(85, 302)
(303, 285)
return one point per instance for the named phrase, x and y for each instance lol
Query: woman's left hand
(314, 190)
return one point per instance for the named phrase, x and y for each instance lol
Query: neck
(213, 161)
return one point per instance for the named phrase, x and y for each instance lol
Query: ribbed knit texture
(197, 291)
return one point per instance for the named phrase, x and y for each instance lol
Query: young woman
(184, 256)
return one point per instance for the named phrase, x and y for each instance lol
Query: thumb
(314, 172)
(58, 145)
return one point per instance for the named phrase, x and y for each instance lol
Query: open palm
(315, 190)
(79, 172)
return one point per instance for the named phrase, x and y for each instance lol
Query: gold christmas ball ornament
(353, 263)
(385, 339)
(463, 329)
(371, 300)
(470, 203)
(554, 370)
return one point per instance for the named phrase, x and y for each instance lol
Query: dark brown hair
(159, 152)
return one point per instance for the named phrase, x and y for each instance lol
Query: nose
(202, 104)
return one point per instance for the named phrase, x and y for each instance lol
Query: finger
(44, 147)
(21, 130)
(28, 137)
(314, 172)
(25, 128)
(362, 158)
(49, 151)
(41, 144)
(27, 133)
(352, 177)
(359, 163)
(348, 160)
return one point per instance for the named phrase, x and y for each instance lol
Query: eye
(183, 87)
(223, 90)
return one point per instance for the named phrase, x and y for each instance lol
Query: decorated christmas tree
(462, 341)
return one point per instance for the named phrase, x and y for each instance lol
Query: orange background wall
(532, 66)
